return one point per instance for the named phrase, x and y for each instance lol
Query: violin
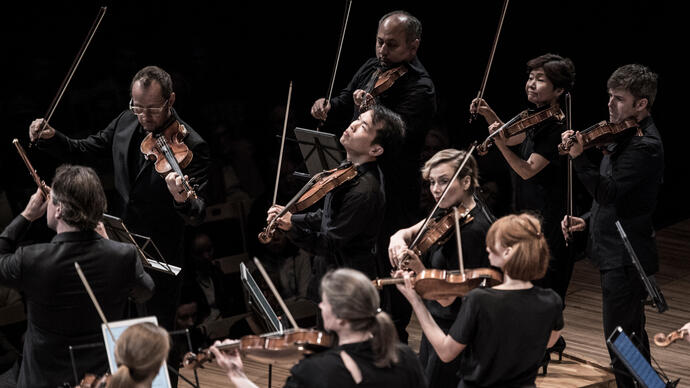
(433, 284)
(169, 153)
(601, 134)
(317, 188)
(94, 381)
(287, 347)
(383, 82)
(664, 340)
(437, 232)
(523, 123)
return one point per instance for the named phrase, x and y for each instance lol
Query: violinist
(59, 310)
(140, 351)
(444, 255)
(412, 95)
(344, 232)
(624, 186)
(149, 204)
(368, 353)
(537, 169)
(502, 332)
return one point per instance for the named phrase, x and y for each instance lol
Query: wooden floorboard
(583, 328)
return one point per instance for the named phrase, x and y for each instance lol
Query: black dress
(544, 194)
(473, 239)
(327, 370)
(506, 333)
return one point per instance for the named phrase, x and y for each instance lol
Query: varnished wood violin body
(601, 134)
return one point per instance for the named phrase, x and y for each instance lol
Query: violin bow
(41, 184)
(348, 6)
(70, 73)
(282, 144)
(461, 264)
(443, 195)
(480, 94)
(569, 204)
(275, 292)
(93, 299)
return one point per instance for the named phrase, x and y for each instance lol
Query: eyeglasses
(138, 110)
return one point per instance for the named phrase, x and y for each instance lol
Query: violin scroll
(664, 340)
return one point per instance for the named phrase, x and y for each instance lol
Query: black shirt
(506, 333)
(625, 188)
(445, 256)
(344, 232)
(544, 193)
(413, 97)
(327, 370)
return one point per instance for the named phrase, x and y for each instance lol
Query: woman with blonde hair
(438, 171)
(140, 352)
(368, 353)
(502, 332)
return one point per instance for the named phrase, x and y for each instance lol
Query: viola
(169, 153)
(438, 232)
(601, 134)
(317, 188)
(525, 121)
(433, 284)
(664, 340)
(287, 347)
(383, 82)
(39, 182)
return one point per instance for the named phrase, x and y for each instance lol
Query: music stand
(321, 150)
(259, 300)
(149, 254)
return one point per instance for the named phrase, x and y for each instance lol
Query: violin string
(461, 264)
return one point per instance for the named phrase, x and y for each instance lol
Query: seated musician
(502, 332)
(140, 352)
(344, 232)
(368, 353)
(438, 171)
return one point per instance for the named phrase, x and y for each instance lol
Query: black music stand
(321, 150)
(650, 284)
(148, 251)
(264, 309)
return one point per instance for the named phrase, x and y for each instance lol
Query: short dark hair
(154, 73)
(560, 71)
(639, 80)
(413, 27)
(78, 189)
(391, 133)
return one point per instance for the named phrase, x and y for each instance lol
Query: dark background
(232, 62)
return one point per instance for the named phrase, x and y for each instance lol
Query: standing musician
(149, 204)
(438, 171)
(502, 332)
(624, 186)
(413, 97)
(140, 352)
(537, 169)
(368, 353)
(344, 232)
(59, 309)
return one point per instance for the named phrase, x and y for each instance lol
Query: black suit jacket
(59, 311)
(145, 204)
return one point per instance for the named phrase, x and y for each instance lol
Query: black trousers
(623, 295)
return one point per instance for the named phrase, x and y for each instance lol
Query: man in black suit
(625, 186)
(59, 310)
(148, 203)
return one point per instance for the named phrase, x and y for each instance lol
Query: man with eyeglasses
(148, 203)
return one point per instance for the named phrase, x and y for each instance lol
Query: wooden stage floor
(583, 329)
